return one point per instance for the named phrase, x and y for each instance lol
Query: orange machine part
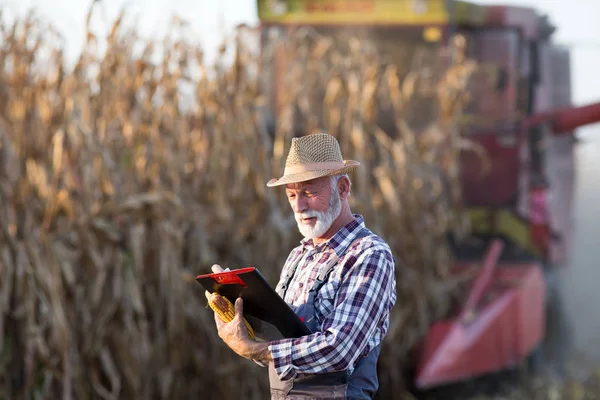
(506, 327)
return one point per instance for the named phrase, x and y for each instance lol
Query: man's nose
(299, 205)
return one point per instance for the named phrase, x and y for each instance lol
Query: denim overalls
(363, 382)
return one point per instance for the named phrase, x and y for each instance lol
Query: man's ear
(344, 188)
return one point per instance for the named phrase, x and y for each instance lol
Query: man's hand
(235, 334)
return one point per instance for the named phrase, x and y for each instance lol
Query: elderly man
(340, 280)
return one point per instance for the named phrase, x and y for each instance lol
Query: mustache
(307, 214)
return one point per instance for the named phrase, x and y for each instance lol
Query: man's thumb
(239, 306)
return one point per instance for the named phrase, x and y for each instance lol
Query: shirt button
(301, 284)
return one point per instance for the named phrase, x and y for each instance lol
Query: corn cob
(226, 311)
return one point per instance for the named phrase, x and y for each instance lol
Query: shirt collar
(337, 241)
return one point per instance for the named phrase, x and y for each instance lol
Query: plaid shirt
(352, 307)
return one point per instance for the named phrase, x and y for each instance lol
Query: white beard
(324, 218)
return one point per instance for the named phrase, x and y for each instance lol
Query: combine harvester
(519, 238)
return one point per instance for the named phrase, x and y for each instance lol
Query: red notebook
(270, 317)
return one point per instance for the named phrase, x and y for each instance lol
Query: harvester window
(494, 104)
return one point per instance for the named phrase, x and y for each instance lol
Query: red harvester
(519, 236)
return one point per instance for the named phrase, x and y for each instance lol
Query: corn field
(124, 177)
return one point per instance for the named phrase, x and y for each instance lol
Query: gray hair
(336, 178)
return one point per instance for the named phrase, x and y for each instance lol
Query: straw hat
(313, 156)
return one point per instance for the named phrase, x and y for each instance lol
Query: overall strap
(333, 260)
(290, 275)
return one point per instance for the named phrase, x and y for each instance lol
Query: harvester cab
(521, 114)
(523, 75)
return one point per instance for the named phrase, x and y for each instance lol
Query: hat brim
(350, 165)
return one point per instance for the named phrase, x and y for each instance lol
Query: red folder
(270, 317)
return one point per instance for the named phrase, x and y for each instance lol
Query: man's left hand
(235, 335)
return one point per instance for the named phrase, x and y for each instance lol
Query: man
(340, 280)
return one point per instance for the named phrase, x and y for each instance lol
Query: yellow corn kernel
(226, 311)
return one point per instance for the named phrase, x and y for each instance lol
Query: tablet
(270, 316)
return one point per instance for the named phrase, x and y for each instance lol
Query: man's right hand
(215, 269)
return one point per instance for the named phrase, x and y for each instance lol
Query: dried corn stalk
(124, 177)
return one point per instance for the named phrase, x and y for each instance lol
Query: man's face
(316, 204)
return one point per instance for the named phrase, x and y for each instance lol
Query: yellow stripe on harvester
(371, 12)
